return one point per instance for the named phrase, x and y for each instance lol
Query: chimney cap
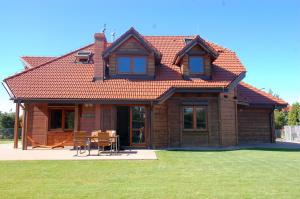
(100, 36)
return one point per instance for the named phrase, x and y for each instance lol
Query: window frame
(131, 72)
(194, 107)
(63, 119)
(196, 73)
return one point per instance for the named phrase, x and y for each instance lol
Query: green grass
(6, 141)
(177, 174)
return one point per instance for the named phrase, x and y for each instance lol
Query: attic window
(83, 57)
(187, 40)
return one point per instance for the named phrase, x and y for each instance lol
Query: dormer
(131, 56)
(195, 59)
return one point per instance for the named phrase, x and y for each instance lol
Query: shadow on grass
(237, 149)
(272, 149)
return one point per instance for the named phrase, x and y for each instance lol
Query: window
(196, 64)
(195, 118)
(139, 65)
(124, 64)
(69, 119)
(132, 65)
(62, 119)
(188, 118)
(56, 119)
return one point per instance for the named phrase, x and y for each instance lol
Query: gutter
(173, 90)
(11, 95)
(91, 101)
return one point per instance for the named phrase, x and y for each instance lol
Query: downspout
(272, 128)
(151, 124)
(220, 120)
(24, 128)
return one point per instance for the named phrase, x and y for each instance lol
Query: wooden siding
(204, 138)
(58, 137)
(160, 126)
(87, 118)
(168, 123)
(196, 51)
(254, 125)
(131, 47)
(174, 121)
(37, 122)
(108, 115)
(228, 119)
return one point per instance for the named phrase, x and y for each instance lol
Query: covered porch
(51, 123)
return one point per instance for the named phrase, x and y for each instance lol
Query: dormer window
(196, 64)
(131, 65)
(83, 57)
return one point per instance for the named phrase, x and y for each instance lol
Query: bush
(294, 115)
(8, 133)
(281, 119)
(7, 120)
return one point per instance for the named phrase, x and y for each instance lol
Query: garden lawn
(176, 174)
(6, 141)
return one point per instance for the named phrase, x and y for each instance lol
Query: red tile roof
(252, 95)
(62, 78)
(34, 61)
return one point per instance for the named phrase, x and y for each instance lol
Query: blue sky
(265, 34)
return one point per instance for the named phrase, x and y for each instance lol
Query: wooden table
(91, 137)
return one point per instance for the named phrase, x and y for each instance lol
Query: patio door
(137, 126)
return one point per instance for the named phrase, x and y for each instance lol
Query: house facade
(155, 91)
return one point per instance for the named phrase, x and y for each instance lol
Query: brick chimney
(99, 47)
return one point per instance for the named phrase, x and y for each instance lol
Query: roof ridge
(169, 35)
(55, 59)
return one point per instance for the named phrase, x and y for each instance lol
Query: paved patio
(8, 153)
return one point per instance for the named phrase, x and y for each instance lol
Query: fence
(8, 133)
(289, 133)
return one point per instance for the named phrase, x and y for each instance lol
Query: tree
(272, 93)
(294, 115)
(281, 119)
(7, 120)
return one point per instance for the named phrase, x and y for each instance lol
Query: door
(137, 126)
(123, 125)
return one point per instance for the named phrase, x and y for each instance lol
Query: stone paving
(7, 152)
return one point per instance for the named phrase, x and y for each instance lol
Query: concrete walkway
(8, 153)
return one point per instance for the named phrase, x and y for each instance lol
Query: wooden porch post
(16, 127)
(24, 127)
(98, 117)
(76, 122)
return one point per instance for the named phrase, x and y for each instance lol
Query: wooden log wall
(37, 122)
(254, 124)
(228, 119)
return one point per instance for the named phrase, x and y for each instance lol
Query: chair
(94, 134)
(113, 139)
(80, 140)
(104, 141)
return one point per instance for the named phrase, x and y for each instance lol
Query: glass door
(137, 125)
